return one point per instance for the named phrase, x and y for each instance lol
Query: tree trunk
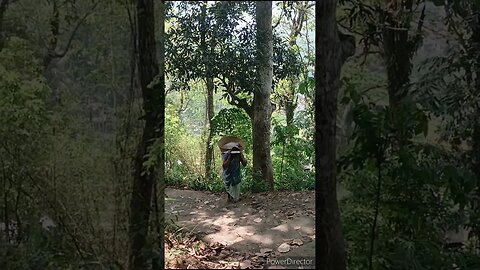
(210, 114)
(398, 51)
(161, 138)
(210, 88)
(153, 105)
(297, 23)
(476, 171)
(332, 49)
(475, 39)
(398, 65)
(262, 108)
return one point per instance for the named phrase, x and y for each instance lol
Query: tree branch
(235, 100)
(279, 19)
(420, 21)
(72, 35)
(51, 50)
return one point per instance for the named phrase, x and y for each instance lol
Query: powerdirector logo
(292, 261)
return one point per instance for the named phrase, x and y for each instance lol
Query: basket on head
(228, 142)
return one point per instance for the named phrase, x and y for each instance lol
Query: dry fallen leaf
(297, 242)
(285, 247)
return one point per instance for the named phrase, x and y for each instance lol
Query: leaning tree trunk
(332, 49)
(153, 104)
(262, 108)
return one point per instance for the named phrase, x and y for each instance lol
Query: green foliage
(417, 195)
(250, 181)
(294, 179)
(290, 153)
(180, 176)
(24, 118)
(307, 86)
(41, 251)
(213, 38)
(180, 144)
(450, 92)
(232, 121)
(50, 165)
(286, 62)
(23, 92)
(36, 154)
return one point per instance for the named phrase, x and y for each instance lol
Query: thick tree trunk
(476, 170)
(210, 114)
(153, 105)
(262, 108)
(475, 39)
(161, 139)
(398, 50)
(332, 49)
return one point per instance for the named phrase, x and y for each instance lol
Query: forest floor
(252, 233)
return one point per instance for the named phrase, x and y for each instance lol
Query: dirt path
(256, 229)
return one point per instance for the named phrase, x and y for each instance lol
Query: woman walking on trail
(232, 156)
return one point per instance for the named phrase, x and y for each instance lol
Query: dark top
(231, 175)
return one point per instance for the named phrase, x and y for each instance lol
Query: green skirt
(234, 191)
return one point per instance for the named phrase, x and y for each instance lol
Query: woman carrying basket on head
(232, 155)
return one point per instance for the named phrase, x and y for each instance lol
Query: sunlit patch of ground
(248, 234)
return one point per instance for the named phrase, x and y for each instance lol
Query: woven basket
(228, 142)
